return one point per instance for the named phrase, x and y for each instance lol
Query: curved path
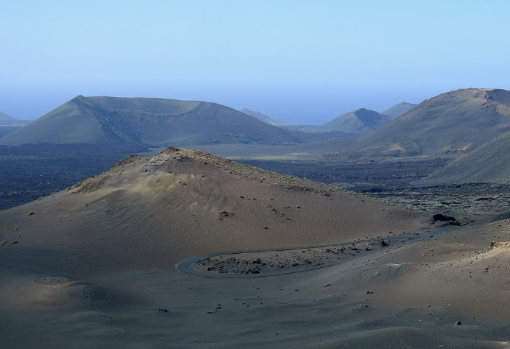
(186, 266)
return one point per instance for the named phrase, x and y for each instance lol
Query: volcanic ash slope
(156, 211)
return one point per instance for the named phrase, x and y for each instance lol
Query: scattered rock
(439, 217)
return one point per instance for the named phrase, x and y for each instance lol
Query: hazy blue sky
(301, 61)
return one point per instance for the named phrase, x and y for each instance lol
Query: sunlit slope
(456, 122)
(147, 121)
(155, 211)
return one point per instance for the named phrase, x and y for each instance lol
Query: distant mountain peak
(7, 120)
(454, 122)
(359, 121)
(398, 109)
(78, 98)
(263, 117)
(5, 117)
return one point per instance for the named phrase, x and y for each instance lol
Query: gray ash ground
(285, 261)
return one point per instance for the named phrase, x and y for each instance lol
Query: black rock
(439, 217)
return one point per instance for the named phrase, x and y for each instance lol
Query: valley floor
(447, 291)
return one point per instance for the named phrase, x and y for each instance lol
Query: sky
(296, 61)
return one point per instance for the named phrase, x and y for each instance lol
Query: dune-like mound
(58, 292)
(461, 271)
(158, 210)
(96, 264)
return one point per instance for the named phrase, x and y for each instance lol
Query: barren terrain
(100, 264)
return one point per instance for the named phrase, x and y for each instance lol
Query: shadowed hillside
(452, 123)
(108, 120)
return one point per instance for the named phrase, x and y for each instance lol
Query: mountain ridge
(264, 118)
(154, 121)
(453, 123)
(398, 109)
